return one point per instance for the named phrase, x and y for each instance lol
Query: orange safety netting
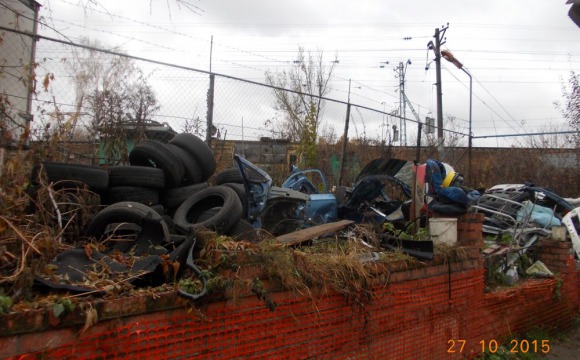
(428, 318)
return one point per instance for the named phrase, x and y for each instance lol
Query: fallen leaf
(91, 318)
(57, 309)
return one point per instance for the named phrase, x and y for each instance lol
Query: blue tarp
(540, 215)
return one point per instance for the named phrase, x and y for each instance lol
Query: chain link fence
(79, 90)
(83, 96)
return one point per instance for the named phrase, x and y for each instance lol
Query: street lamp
(447, 55)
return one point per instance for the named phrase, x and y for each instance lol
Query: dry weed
(38, 221)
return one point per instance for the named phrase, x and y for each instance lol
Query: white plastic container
(443, 231)
(512, 276)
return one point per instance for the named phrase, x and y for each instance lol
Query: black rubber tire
(241, 192)
(146, 196)
(141, 176)
(130, 204)
(223, 197)
(199, 150)
(231, 175)
(172, 198)
(243, 230)
(158, 208)
(70, 175)
(208, 214)
(155, 154)
(122, 212)
(192, 171)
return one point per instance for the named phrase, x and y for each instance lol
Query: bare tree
(549, 141)
(108, 108)
(94, 72)
(112, 97)
(309, 80)
(193, 125)
(89, 5)
(571, 105)
(141, 105)
(452, 130)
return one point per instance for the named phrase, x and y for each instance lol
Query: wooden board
(310, 233)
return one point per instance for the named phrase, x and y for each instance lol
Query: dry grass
(37, 222)
(451, 253)
(338, 263)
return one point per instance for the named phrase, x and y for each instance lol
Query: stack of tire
(171, 180)
(162, 175)
(225, 182)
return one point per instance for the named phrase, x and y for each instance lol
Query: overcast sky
(518, 51)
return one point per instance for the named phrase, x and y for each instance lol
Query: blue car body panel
(322, 208)
(299, 202)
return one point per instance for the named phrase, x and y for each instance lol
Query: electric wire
(285, 62)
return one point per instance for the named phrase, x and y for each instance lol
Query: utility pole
(345, 137)
(439, 40)
(402, 122)
(401, 72)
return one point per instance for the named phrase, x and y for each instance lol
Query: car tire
(231, 175)
(243, 230)
(70, 175)
(123, 212)
(241, 192)
(155, 154)
(199, 150)
(208, 214)
(172, 198)
(143, 195)
(192, 171)
(230, 212)
(140, 176)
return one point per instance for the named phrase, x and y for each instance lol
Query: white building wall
(16, 57)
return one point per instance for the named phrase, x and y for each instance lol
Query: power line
(493, 97)
(254, 65)
(164, 29)
(528, 134)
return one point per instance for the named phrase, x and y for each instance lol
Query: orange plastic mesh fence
(536, 303)
(429, 318)
(404, 320)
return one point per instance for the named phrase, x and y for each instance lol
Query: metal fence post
(210, 94)
(345, 136)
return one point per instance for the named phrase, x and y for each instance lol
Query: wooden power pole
(439, 40)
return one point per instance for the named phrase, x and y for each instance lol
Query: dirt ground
(567, 349)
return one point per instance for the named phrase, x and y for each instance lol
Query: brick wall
(422, 310)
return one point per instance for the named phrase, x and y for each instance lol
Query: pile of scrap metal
(299, 204)
(299, 210)
(383, 191)
(141, 242)
(386, 190)
(526, 213)
(401, 192)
